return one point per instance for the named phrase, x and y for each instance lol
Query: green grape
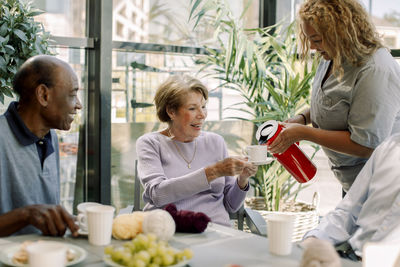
(147, 251)
(139, 263)
(167, 259)
(179, 256)
(131, 246)
(152, 251)
(152, 237)
(108, 250)
(117, 256)
(144, 256)
(143, 240)
(187, 253)
(157, 260)
(126, 257)
(161, 250)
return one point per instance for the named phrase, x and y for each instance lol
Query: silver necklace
(188, 162)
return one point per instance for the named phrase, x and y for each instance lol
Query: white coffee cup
(100, 219)
(82, 218)
(256, 153)
(47, 254)
(280, 230)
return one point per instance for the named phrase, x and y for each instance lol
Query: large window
(63, 17)
(386, 17)
(150, 40)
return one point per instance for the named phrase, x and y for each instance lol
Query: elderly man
(369, 212)
(29, 158)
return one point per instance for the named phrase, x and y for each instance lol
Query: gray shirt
(23, 181)
(365, 102)
(167, 178)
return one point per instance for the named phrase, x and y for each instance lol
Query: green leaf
(3, 64)
(21, 35)
(194, 7)
(35, 12)
(1, 95)
(7, 92)
(9, 49)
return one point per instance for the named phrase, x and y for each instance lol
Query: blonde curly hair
(346, 30)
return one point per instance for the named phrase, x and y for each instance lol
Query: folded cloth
(188, 221)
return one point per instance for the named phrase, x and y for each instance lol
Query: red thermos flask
(293, 159)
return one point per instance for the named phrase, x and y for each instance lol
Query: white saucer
(267, 161)
(82, 232)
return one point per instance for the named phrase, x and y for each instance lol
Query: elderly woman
(355, 101)
(185, 165)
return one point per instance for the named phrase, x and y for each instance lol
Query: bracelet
(304, 118)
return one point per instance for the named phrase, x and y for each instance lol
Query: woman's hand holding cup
(230, 167)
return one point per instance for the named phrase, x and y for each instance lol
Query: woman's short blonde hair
(346, 30)
(171, 94)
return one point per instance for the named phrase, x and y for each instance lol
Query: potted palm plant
(20, 38)
(261, 64)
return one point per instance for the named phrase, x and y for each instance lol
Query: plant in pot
(261, 64)
(20, 38)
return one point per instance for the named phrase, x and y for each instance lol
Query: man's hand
(51, 219)
(319, 253)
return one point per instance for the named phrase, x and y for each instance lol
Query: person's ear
(171, 113)
(42, 94)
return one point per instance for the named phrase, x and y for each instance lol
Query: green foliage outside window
(20, 38)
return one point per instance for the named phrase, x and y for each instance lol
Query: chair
(137, 195)
(239, 216)
(255, 222)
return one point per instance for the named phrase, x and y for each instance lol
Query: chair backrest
(138, 190)
(239, 216)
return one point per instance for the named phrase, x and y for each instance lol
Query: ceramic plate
(268, 161)
(109, 262)
(7, 254)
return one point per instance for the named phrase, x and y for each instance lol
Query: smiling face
(187, 120)
(315, 40)
(63, 100)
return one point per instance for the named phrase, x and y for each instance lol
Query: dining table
(217, 246)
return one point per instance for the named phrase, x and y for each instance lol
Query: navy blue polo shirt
(24, 136)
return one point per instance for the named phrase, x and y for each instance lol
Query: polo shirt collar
(24, 136)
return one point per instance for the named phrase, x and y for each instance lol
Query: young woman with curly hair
(355, 101)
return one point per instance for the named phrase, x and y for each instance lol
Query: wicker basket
(304, 220)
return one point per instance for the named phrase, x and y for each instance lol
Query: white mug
(279, 233)
(100, 220)
(256, 153)
(82, 218)
(47, 254)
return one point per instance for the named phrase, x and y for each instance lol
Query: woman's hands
(290, 134)
(232, 166)
(247, 172)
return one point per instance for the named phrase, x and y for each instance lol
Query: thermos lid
(266, 131)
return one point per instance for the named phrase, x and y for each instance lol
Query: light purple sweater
(167, 178)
